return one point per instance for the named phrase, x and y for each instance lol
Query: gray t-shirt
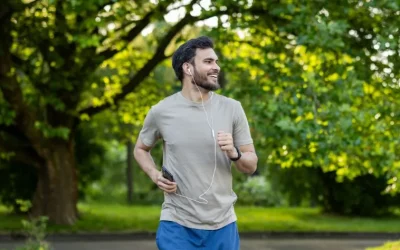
(189, 155)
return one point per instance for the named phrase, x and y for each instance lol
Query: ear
(186, 69)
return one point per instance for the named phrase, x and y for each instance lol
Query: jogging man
(202, 134)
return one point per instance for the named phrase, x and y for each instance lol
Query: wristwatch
(239, 155)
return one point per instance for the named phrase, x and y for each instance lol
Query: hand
(225, 142)
(162, 183)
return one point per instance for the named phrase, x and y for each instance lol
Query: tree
(58, 68)
(51, 55)
(324, 93)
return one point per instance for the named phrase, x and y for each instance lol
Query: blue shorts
(173, 236)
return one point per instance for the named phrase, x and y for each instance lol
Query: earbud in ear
(190, 72)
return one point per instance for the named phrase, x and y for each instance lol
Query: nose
(216, 67)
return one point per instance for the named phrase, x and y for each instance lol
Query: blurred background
(319, 81)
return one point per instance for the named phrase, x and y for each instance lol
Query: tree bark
(56, 194)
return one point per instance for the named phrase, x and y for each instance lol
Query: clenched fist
(225, 141)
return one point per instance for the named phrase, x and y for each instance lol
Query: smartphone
(166, 174)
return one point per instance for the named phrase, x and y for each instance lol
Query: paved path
(246, 244)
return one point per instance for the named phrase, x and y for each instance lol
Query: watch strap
(239, 155)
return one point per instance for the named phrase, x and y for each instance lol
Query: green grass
(9, 222)
(395, 245)
(122, 218)
(310, 220)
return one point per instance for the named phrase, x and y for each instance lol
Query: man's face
(206, 69)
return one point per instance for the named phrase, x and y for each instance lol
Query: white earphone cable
(204, 201)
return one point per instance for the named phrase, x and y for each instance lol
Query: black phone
(166, 174)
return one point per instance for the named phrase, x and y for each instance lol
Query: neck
(194, 94)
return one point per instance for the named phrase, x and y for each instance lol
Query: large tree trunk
(56, 194)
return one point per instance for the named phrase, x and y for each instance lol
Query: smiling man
(202, 133)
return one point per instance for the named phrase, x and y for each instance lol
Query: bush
(300, 186)
(256, 191)
(362, 196)
(36, 230)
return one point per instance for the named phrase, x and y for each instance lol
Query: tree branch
(29, 5)
(26, 156)
(25, 115)
(139, 27)
(107, 54)
(10, 6)
(158, 57)
(147, 68)
(12, 140)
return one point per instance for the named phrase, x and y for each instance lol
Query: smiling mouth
(213, 76)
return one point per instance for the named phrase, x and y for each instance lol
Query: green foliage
(24, 205)
(112, 187)
(319, 83)
(256, 191)
(17, 183)
(7, 115)
(50, 132)
(322, 94)
(363, 196)
(90, 157)
(299, 186)
(36, 230)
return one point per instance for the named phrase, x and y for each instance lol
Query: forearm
(247, 163)
(146, 162)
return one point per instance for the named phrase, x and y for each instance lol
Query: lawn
(123, 218)
(394, 245)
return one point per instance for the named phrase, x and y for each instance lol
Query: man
(202, 134)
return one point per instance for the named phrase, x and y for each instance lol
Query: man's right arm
(146, 163)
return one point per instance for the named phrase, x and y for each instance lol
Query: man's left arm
(244, 155)
(247, 163)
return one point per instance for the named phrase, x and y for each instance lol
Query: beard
(202, 81)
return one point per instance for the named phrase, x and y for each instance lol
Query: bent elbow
(251, 170)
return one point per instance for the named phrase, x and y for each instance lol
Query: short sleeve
(241, 131)
(150, 132)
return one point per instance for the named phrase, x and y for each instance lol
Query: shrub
(36, 230)
(362, 196)
(256, 191)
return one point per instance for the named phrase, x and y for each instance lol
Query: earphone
(204, 201)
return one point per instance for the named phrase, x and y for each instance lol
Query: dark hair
(187, 51)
